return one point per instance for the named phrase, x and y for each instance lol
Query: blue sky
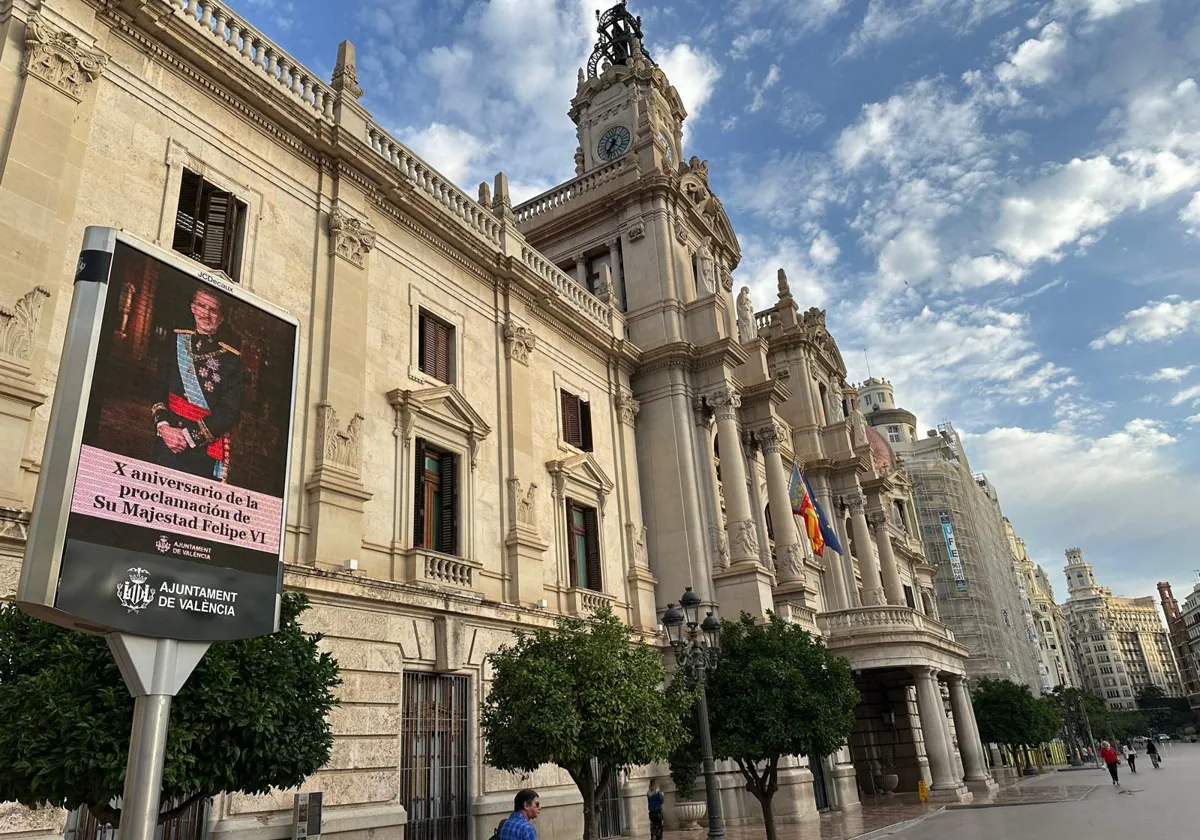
(997, 202)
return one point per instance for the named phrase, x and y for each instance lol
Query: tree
(686, 761)
(1006, 713)
(253, 716)
(778, 692)
(583, 693)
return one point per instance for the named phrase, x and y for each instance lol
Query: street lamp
(696, 644)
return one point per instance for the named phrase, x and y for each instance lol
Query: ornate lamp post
(696, 644)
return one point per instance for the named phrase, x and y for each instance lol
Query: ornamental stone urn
(690, 814)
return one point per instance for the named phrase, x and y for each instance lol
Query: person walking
(519, 825)
(1152, 751)
(1110, 758)
(655, 800)
(1131, 756)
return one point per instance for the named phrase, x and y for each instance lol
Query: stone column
(892, 587)
(868, 564)
(743, 535)
(845, 562)
(618, 275)
(789, 553)
(581, 272)
(929, 708)
(975, 768)
(838, 595)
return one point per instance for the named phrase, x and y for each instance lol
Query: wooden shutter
(187, 214)
(449, 535)
(572, 560)
(585, 425)
(442, 352)
(419, 494)
(593, 550)
(571, 419)
(428, 349)
(217, 217)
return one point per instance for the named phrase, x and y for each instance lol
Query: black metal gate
(820, 792)
(434, 763)
(610, 804)
(187, 825)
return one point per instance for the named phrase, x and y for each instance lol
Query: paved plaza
(1067, 803)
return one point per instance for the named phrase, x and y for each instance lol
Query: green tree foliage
(687, 759)
(1047, 720)
(584, 692)
(252, 716)
(777, 692)
(1009, 714)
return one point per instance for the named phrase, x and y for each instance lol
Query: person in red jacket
(1109, 756)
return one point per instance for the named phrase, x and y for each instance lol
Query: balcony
(584, 602)
(890, 637)
(422, 565)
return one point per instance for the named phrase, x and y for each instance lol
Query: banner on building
(956, 566)
(160, 510)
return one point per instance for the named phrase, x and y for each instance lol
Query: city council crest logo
(134, 594)
(163, 544)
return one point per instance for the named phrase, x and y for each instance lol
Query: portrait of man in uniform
(201, 394)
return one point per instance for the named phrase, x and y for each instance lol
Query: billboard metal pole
(154, 670)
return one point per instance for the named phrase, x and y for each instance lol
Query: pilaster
(49, 121)
(525, 546)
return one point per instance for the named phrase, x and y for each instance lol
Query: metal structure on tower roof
(617, 29)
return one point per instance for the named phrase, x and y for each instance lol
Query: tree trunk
(591, 820)
(768, 814)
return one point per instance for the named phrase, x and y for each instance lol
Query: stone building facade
(1185, 637)
(570, 383)
(979, 591)
(1054, 637)
(1120, 644)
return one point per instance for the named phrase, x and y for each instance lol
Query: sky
(997, 202)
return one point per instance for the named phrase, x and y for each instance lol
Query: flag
(802, 506)
(828, 535)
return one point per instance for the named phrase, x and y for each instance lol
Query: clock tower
(624, 102)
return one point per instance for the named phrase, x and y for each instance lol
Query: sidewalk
(876, 813)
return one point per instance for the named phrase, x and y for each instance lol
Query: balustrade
(560, 195)
(579, 297)
(222, 25)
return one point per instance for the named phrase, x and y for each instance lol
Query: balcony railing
(426, 566)
(584, 602)
(564, 193)
(885, 619)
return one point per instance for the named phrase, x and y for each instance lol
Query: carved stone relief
(519, 342)
(339, 448)
(59, 59)
(794, 559)
(627, 408)
(720, 544)
(637, 543)
(745, 538)
(352, 238)
(523, 505)
(637, 230)
(19, 325)
(724, 403)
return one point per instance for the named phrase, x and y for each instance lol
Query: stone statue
(747, 329)
(706, 275)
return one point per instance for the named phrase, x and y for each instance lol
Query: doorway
(433, 756)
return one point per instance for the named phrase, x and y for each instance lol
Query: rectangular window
(209, 225)
(583, 546)
(893, 433)
(576, 421)
(435, 348)
(435, 501)
(908, 598)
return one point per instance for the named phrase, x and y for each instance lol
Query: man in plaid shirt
(519, 825)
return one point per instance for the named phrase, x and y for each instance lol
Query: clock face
(614, 143)
(666, 141)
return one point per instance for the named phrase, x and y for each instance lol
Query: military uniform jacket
(204, 382)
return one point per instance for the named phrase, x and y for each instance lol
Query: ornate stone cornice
(627, 408)
(59, 59)
(353, 238)
(519, 342)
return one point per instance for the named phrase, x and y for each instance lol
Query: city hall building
(506, 413)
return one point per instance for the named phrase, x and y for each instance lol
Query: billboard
(161, 505)
(956, 566)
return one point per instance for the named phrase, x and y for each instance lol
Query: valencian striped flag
(827, 532)
(802, 506)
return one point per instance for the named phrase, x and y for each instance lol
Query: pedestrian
(1110, 758)
(655, 800)
(1152, 751)
(1131, 756)
(519, 825)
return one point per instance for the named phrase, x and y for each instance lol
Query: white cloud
(1094, 10)
(1073, 503)
(824, 250)
(969, 273)
(694, 73)
(1195, 418)
(1168, 374)
(910, 257)
(452, 151)
(747, 41)
(887, 19)
(1036, 60)
(761, 260)
(1187, 395)
(760, 90)
(1190, 215)
(1156, 321)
